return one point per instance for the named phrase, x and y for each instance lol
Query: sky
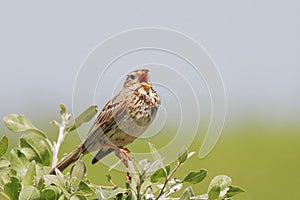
(255, 46)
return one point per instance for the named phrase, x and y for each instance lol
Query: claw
(122, 154)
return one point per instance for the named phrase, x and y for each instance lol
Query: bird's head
(138, 78)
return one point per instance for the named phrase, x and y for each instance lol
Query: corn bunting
(124, 118)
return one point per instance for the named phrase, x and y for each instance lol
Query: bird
(123, 119)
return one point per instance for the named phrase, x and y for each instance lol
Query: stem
(167, 180)
(60, 139)
(139, 186)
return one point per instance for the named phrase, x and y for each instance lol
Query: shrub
(25, 173)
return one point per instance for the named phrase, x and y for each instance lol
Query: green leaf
(195, 177)
(222, 181)
(160, 173)
(53, 180)
(78, 171)
(29, 193)
(3, 145)
(18, 161)
(19, 123)
(57, 180)
(39, 146)
(13, 188)
(130, 196)
(214, 192)
(85, 188)
(29, 153)
(63, 197)
(63, 109)
(183, 156)
(30, 174)
(41, 171)
(84, 117)
(60, 178)
(233, 190)
(6, 178)
(4, 166)
(78, 197)
(187, 194)
(119, 196)
(41, 183)
(51, 192)
(108, 193)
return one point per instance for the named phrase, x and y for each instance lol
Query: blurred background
(255, 46)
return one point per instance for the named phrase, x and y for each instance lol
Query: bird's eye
(132, 76)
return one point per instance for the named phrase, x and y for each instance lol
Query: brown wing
(105, 122)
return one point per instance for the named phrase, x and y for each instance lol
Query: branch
(167, 180)
(61, 136)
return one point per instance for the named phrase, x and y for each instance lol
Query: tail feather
(101, 154)
(69, 159)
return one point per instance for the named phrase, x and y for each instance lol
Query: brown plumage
(124, 118)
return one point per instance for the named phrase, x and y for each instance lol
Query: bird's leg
(128, 177)
(121, 153)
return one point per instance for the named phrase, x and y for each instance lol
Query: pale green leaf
(187, 194)
(18, 161)
(51, 192)
(222, 181)
(39, 146)
(6, 178)
(30, 174)
(29, 193)
(105, 194)
(4, 166)
(84, 117)
(78, 197)
(57, 180)
(143, 165)
(78, 171)
(30, 154)
(20, 123)
(52, 180)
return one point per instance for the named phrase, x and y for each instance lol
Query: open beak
(146, 85)
(144, 80)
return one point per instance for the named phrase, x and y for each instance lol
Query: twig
(139, 185)
(167, 180)
(61, 136)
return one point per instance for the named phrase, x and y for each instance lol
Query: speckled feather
(124, 118)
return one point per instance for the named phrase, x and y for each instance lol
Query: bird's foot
(123, 154)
